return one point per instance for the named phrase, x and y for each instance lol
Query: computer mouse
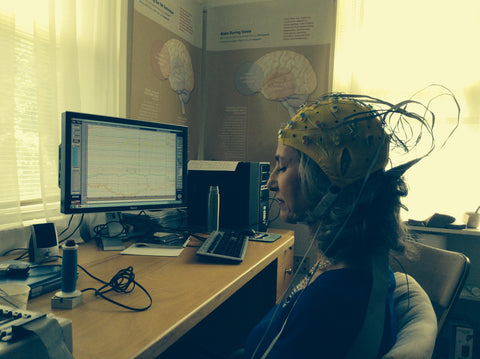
(141, 245)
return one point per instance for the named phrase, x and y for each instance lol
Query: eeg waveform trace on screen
(113, 164)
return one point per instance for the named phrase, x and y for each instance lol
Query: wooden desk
(184, 291)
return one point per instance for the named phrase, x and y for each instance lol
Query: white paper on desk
(153, 250)
(200, 165)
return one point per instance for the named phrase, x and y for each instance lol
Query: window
(391, 49)
(56, 56)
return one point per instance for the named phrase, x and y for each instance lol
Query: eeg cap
(343, 136)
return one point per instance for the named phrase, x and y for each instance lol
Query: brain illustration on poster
(171, 60)
(283, 76)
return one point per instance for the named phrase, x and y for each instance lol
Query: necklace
(320, 265)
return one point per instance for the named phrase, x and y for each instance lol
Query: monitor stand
(114, 240)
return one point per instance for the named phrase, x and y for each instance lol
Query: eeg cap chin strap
(324, 205)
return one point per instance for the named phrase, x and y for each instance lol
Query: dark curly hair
(364, 219)
(365, 216)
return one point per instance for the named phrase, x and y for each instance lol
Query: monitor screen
(111, 164)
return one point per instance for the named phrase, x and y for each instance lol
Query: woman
(330, 174)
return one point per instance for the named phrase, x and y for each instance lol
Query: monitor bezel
(65, 162)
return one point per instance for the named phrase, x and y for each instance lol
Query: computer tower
(243, 193)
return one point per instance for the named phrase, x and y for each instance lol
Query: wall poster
(259, 62)
(166, 50)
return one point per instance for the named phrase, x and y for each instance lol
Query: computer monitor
(110, 164)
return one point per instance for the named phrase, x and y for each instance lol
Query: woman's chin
(289, 217)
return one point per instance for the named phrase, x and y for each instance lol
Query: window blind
(55, 56)
(30, 125)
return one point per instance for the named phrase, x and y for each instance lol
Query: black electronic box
(243, 194)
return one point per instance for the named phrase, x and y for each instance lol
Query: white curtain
(56, 55)
(391, 49)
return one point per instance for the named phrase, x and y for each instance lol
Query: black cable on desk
(68, 226)
(122, 282)
(23, 255)
(14, 249)
(192, 246)
(200, 238)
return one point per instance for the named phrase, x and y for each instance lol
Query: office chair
(416, 321)
(429, 281)
(441, 273)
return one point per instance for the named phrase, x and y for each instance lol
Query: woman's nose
(272, 183)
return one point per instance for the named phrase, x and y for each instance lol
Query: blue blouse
(325, 319)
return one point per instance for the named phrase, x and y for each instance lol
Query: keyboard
(227, 245)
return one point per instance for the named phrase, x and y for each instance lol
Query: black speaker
(43, 245)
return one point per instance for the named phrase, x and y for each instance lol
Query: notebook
(41, 278)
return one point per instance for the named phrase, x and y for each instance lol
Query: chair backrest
(441, 273)
(416, 321)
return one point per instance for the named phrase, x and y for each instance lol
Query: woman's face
(285, 182)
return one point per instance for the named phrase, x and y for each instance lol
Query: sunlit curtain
(55, 56)
(391, 49)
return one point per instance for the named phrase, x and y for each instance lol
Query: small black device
(14, 270)
(43, 245)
